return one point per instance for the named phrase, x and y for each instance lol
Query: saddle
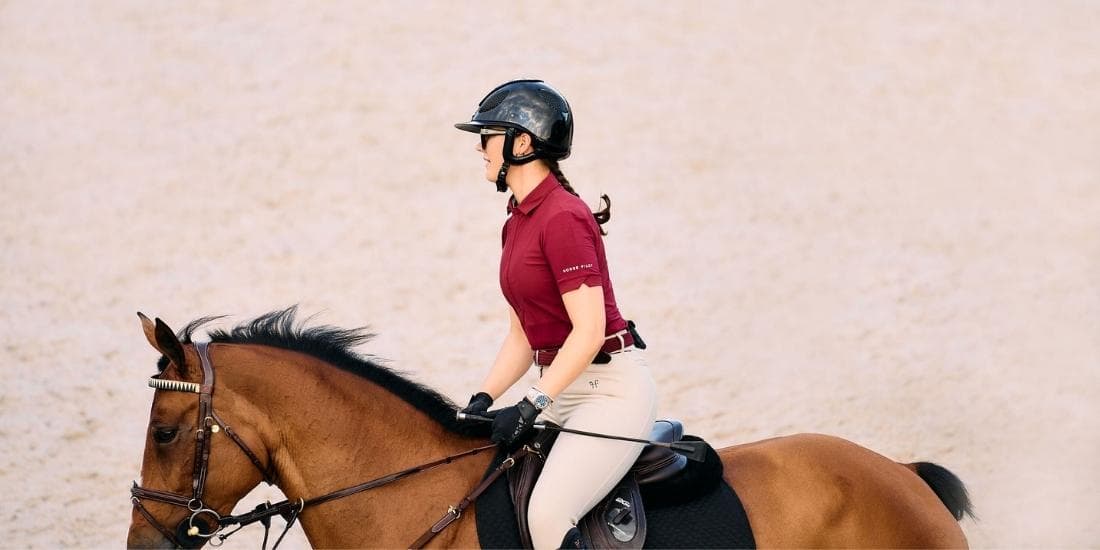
(619, 520)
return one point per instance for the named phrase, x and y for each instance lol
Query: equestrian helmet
(529, 106)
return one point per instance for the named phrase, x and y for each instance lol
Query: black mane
(333, 345)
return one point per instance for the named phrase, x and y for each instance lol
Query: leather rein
(209, 423)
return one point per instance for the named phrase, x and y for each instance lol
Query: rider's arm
(585, 307)
(513, 360)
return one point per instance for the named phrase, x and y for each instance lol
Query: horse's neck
(332, 429)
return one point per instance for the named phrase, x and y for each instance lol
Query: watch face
(538, 399)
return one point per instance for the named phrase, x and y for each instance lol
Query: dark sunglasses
(486, 133)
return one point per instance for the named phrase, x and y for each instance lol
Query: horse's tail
(947, 486)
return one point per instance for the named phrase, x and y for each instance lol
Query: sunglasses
(486, 133)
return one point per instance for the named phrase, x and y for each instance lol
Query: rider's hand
(511, 423)
(479, 403)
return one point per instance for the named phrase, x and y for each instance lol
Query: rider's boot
(573, 539)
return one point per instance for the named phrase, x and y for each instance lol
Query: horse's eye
(164, 435)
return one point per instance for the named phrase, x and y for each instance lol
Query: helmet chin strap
(510, 159)
(502, 185)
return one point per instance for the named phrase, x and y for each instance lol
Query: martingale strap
(455, 512)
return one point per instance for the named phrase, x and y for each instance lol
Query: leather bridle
(209, 423)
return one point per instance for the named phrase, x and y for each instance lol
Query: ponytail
(603, 215)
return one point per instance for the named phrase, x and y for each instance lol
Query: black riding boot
(573, 539)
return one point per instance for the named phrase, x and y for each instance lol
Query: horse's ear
(150, 330)
(170, 346)
(161, 337)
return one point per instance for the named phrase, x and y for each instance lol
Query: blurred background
(875, 220)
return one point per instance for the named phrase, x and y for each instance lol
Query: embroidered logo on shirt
(576, 268)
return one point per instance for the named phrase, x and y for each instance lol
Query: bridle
(209, 423)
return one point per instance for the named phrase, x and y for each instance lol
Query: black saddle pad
(715, 520)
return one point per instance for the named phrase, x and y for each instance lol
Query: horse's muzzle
(146, 537)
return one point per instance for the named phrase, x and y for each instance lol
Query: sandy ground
(875, 220)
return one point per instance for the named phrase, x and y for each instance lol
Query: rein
(210, 423)
(290, 510)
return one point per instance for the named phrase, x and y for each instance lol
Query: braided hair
(603, 215)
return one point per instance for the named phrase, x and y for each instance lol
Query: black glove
(479, 403)
(511, 423)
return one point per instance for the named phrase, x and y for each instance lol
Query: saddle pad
(715, 520)
(496, 521)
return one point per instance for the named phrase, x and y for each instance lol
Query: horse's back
(812, 490)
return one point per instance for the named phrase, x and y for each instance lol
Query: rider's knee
(547, 523)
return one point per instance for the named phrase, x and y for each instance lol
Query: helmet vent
(493, 101)
(552, 100)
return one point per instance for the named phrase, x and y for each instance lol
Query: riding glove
(511, 423)
(479, 403)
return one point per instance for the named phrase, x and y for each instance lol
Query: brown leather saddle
(618, 521)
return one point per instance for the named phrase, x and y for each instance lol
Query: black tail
(948, 487)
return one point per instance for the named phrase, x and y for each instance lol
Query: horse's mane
(333, 345)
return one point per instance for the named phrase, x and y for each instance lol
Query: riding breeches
(616, 398)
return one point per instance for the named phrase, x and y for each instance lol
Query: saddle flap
(522, 478)
(618, 521)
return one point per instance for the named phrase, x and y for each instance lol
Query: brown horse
(297, 407)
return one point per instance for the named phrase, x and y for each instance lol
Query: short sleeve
(569, 242)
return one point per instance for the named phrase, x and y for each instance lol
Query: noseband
(209, 423)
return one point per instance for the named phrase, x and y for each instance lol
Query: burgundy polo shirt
(552, 245)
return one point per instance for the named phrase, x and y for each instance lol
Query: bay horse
(296, 407)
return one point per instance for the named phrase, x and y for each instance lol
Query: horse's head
(191, 474)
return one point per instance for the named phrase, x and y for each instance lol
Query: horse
(297, 407)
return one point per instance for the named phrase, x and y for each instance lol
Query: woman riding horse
(271, 401)
(554, 275)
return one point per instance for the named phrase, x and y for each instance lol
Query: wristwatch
(540, 400)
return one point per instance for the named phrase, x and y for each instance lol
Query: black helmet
(529, 106)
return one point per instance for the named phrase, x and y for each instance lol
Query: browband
(174, 385)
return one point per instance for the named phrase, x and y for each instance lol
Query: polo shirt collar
(535, 197)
